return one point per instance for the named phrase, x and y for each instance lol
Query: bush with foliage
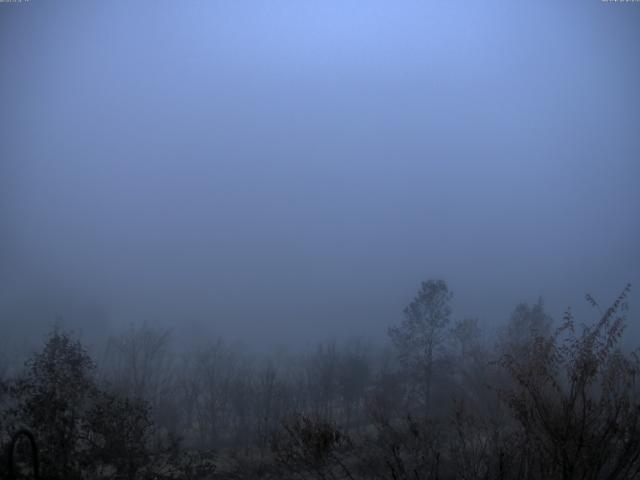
(82, 431)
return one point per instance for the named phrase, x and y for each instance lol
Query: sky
(289, 170)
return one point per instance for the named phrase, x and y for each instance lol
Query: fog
(283, 172)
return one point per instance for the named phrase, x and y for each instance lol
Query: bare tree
(466, 334)
(214, 371)
(422, 332)
(322, 379)
(139, 364)
(575, 398)
(354, 376)
(525, 325)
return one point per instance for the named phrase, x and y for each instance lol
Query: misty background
(279, 172)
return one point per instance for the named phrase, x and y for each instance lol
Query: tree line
(543, 399)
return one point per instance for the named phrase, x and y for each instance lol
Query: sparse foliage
(575, 399)
(421, 333)
(557, 404)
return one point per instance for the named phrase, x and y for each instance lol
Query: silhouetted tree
(52, 400)
(422, 332)
(466, 334)
(525, 325)
(81, 430)
(575, 398)
(354, 376)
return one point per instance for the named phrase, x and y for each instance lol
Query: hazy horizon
(284, 172)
